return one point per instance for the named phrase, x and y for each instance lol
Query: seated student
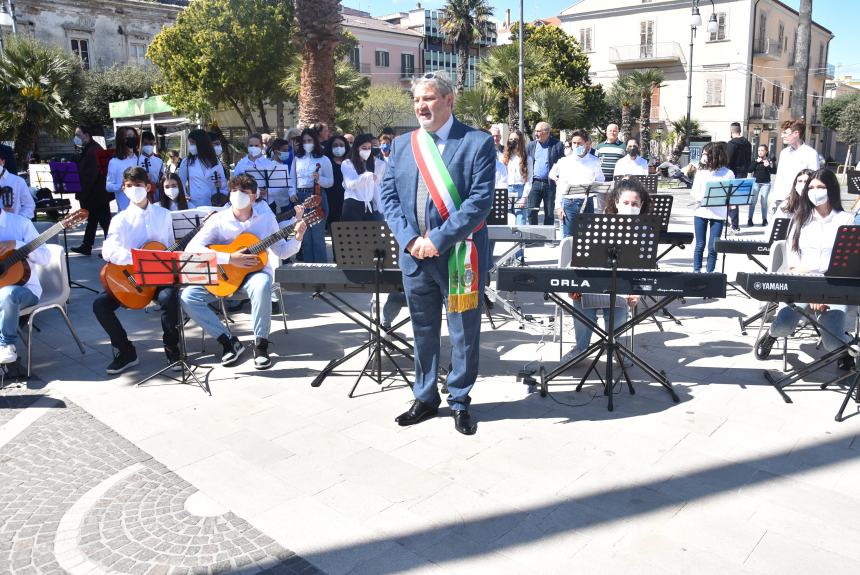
(811, 234)
(20, 200)
(628, 198)
(789, 206)
(15, 231)
(148, 159)
(172, 194)
(223, 228)
(140, 222)
(255, 159)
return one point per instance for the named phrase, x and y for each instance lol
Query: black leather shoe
(416, 414)
(463, 422)
(764, 345)
(82, 250)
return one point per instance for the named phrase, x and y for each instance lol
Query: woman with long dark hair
(126, 156)
(519, 178)
(311, 167)
(708, 221)
(809, 244)
(362, 181)
(338, 151)
(201, 172)
(171, 196)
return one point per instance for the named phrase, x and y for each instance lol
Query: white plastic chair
(55, 295)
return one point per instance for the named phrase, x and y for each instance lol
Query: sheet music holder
(649, 181)
(611, 242)
(726, 193)
(596, 190)
(40, 176)
(177, 270)
(66, 178)
(854, 182)
(275, 178)
(498, 215)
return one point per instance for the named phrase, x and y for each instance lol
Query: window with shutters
(407, 65)
(759, 91)
(81, 49)
(776, 97)
(722, 30)
(585, 39)
(382, 59)
(714, 92)
(646, 39)
(821, 56)
(137, 54)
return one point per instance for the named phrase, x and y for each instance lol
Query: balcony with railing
(764, 112)
(647, 54)
(363, 68)
(827, 71)
(768, 49)
(407, 72)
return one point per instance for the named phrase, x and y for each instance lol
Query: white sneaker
(569, 355)
(8, 354)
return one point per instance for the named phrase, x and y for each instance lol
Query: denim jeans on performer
(520, 214)
(257, 286)
(582, 332)
(572, 207)
(833, 321)
(313, 243)
(703, 236)
(12, 299)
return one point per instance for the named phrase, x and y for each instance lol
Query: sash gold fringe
(462, 302)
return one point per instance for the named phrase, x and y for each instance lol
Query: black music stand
(177, 270)
(274, 178)
(67, 180)
(362, 246)
(649, 181)
(613, 242)
(498, 215)
(853, 182)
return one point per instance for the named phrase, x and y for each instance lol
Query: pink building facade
(386, 53)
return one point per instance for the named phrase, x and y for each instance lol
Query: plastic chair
(55, 295)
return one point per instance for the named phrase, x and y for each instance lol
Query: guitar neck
(271, 240)
(21, 253)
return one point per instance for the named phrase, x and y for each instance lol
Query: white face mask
(136, 193)
(192, 149)
(172, 192)
(218, 149)
(148, 149)
(818, 196)
(626, 210)
(338, 151)
(364, 154)
(240, 200)
(308, 148)
(254, 151)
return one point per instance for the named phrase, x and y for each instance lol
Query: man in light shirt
(796, 156)
(631, 164)
(581, 168)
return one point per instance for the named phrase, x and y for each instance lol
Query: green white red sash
(463, 260)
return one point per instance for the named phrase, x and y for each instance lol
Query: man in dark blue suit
(427, 237)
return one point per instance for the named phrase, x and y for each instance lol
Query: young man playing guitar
(141, 222)
(223, 228)
(16, 231)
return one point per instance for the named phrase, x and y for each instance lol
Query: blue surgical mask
(385, 148)
(579, 150)
(284, 156)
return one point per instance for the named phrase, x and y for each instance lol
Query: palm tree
(350, 87)
(317, 34)
(623, 95)
(680, 128)
(37, 87)
(644, 82)
(475, 106)
(500, 69)
(461, 21)
(560, 106)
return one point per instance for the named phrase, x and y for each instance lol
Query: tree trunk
(678, 149)
(264, 121)
(513, 113)
(26, 138)
(801, 67)
(626, 123)
(462, 65)
(279, 119)
(316, 99)
(242, 115)
(645, 127)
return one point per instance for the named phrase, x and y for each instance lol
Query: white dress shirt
(133, 227)
(113, 183)
(700, 185)
(514, 175)
(628, 166)
(22, 231)
(443, 133)
(363, 187)
(302, 173)
(23, 203)
(199, 181)
(501, 176)
(574, 170)
(223, 228)
(816, 241)
(790, 162)
(153, 166)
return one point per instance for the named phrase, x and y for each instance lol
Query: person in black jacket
(93, 195)
(8, 154)
(740, 158)
(542, 154)
(763, 168)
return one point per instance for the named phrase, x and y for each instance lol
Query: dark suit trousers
(104, 308)
(426, 293)
(542, 192)
(99, 216)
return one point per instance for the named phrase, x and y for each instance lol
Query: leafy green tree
(500, 70)
(38, 83)
(679, 129)
(461, 22)
(476, 105)
(101, 87)
(831, 109)
(644, 82)
(385, 105)
(225, 53)
(350, 87)
(561, 106)
(624, 97)
(849, 126)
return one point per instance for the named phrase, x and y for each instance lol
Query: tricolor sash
(463, 260)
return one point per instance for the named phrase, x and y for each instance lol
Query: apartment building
(386, 53)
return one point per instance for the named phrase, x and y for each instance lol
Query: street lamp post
(695, 22)
(522, 80)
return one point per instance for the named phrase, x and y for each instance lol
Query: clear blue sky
(841, 17)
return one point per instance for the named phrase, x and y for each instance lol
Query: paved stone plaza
(271, 475)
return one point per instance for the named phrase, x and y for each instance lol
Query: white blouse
(302, 173)
(113, 183)
(199, 181)
(364, 187)
(700, 185)
(816, 241)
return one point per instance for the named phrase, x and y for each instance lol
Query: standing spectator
(497, 142)
(712, 168)
(542, 155)
(172, 161)
(519, 179)
(578, 169)
(93, 195)
(126, 157)
(795, 156)
(338, 151)
(350, 138)
(201, 173)
(267, 140)
(385, 145)
(763, 168)
(311, 167)
(610, 151)
(739, 151)
(632, 164)
(279, 193)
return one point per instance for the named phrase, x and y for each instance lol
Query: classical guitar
(14, 267)
(230, 277)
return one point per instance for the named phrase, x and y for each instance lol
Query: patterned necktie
(422, 196)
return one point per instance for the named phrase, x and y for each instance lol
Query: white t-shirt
(700, 185)
(573, 170)
(791, 162)
(628, 166)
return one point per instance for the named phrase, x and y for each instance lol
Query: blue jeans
(833, 320)
(313, 243)
(257, 286)
(572, 208)
(12, 299)
(541, 192)
(582, 332)
(521, 214)
(760, 193)
(700, 227)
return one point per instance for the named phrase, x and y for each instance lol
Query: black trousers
(105, 306)
(99, 216)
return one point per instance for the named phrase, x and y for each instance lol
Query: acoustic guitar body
(115, 279)
(231, 277)
(16, 274)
